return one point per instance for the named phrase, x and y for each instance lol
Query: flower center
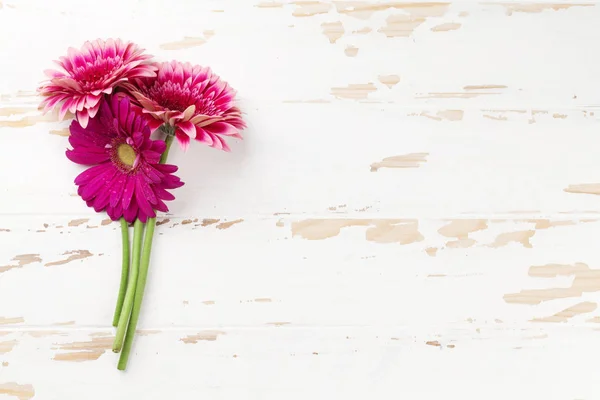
(126, 154)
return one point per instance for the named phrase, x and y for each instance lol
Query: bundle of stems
(133, 278)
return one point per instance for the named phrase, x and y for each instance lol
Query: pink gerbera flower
(193, 101)
(126, 179)
(88, 73)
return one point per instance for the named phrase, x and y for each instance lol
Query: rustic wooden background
(413, 213)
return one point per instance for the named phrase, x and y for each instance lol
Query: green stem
(139, 294)
(124, 271)
(138, 231)
(142, 277)
(168, 142)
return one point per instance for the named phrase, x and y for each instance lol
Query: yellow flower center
(126, 154)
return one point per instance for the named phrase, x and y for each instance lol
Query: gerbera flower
(126, 179)
(194, 101)
(90, 72)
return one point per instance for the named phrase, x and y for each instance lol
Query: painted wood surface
(413, 212)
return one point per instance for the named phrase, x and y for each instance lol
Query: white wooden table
(413, 213)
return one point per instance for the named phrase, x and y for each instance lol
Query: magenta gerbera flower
(192, 100)
(90, 72)
(126, 179)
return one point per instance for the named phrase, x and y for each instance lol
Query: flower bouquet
(118, 97)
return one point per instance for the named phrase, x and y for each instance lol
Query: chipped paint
(21, 392)
(186, 43)
(310, 8)
(61, 132)
(559, 116)
(453, 95)
(204, 335)
(400, 25)
(354, 91)
(147, 332)
(584, 188)
(568, 313)
(46, 333)
(277, 324)
(208, 302)
(229, 224)
(319, 229)
(546, 223)
(459, 229)
(511, 111)
(5, 364)
(434, 343)
(351, 51)
(208, 221)
(412, 160)
(537, 7)
(22, 260)
(10, 111)
(484, 87)
(402, 231)
(500, 118)
(186, 222)
(521, 237)
(30, 120)
(333, 30)
(105, 222)
(403, 25)
(448, 115)
(532, 120)
(6, 347)
(384, 231)
(73, 255)
(65, 323)
(364, 10)
(363, 31)
(100, 334)
(162, 222)
(446, 27)
(389, 80)
(585, 280)
(77, 222)
(84, 351)
(431, 251)
(263, 300)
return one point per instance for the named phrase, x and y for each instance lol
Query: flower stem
(142, 277)
(139, 294)
(124, 271)
(168, 142)
(138, 231)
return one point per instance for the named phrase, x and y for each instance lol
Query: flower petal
(187, 128)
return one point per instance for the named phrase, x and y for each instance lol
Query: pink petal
(187, 128)
(184, 140)
(221, 128)
(128, 192)
(83, 118)
(203, 136)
